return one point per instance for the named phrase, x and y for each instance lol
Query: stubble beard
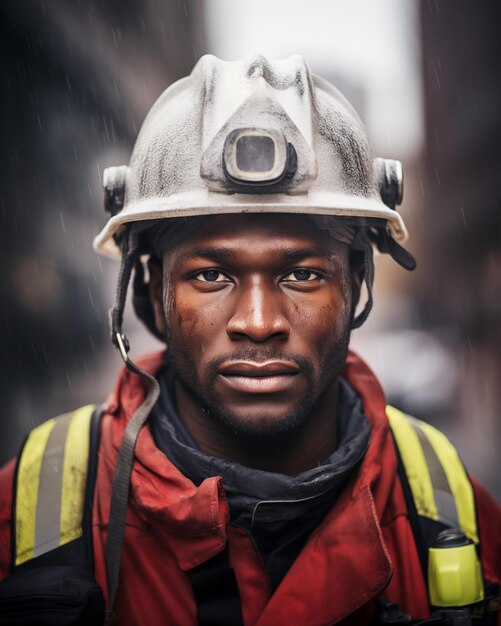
(266, 427)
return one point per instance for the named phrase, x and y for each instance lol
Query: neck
(285, 453)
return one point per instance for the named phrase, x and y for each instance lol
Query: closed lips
(259, 370)
(270, 377)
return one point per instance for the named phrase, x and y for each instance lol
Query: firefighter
(251, 473)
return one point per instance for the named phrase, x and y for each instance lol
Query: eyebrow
(221, 253)
(304, 253)
(213, 254)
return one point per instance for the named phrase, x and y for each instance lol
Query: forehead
(272, 232)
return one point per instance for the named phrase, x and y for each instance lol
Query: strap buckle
(123, 345)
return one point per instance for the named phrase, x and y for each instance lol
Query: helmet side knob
(390, 176)
(114, 179)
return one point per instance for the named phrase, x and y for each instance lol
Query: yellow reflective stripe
(28, 479)
(76, 458)
(457, 478)
(48, 511)
(414, 462)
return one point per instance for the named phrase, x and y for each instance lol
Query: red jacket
(363, 547)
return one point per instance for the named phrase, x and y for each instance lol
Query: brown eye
(211, 276)
(301, 275)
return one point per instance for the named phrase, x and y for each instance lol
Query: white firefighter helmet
(256, 135)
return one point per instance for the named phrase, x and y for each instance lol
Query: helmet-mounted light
(257, 156)
(270, 158)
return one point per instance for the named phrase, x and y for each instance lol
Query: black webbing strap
(94, 439)
(121, 486)
(216, 592)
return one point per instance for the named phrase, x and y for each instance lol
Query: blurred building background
(77, 80)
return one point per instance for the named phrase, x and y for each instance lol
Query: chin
(263, 425)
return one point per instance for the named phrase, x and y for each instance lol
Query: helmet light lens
(255, 156)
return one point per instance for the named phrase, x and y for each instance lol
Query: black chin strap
(129, 253)
(386, 244)
(123, 468)
(369, 281)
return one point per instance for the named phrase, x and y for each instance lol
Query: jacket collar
(379, 468)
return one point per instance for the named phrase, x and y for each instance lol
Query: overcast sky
(372, 47)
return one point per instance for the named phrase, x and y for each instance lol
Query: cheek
(191, 317)
(322, 320)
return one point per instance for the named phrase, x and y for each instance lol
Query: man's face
(257, 312)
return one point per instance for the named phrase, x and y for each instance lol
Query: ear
(156, 293)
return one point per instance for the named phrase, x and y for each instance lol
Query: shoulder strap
(53, 491)
(440, 487)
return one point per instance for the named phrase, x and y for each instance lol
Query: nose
(257, 315)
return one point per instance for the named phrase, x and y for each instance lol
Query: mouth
(255, 377)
